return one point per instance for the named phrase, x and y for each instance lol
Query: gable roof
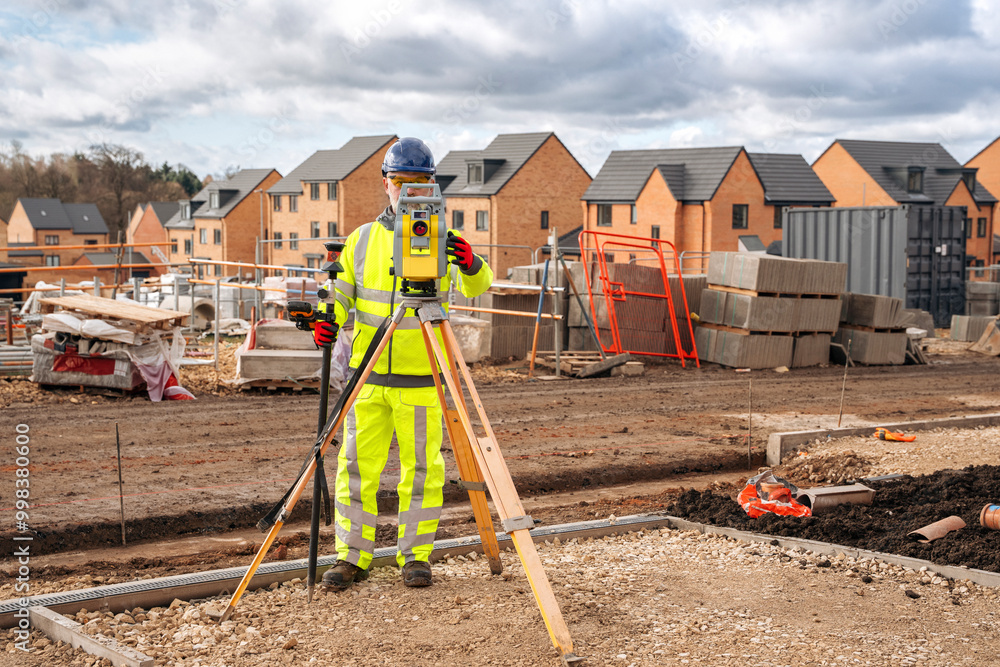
(53, 214)
(164, 210)
(330, 165)
(887, 163)
(694, 172)
(509, 151)
(788, 179)
(986, 148)
(232, 192)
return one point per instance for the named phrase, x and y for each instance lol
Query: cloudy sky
(263, 83)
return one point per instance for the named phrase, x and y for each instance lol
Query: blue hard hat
(408, 154)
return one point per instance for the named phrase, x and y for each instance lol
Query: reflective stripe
(343, 301)
(360, 250)
(351, 445)
(357, 516)
(410, 519)
(420, 514)
(376, 295)
(397, 380)
(354, 540)
(345, 287)
(409, 322)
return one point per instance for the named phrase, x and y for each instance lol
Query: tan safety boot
(417, 573)
(342, 575)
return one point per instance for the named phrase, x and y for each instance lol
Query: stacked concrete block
(969, 328)
(811, 350)
(739, 350)
(776, 275)
(981, 298)
(921, 320)
(873, 348)
(872, 310)
(769, 313)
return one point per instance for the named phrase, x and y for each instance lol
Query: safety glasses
(399, 181)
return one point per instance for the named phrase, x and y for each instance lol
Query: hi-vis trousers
(415, 414)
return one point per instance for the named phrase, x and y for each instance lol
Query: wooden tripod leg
(467, 469)
(304, 478)
(509, 508)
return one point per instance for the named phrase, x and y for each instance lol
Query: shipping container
(914, 253)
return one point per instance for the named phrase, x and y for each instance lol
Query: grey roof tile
(53, 214)
(788, 179)
(111, 257)
(624, 173)
(511, 151)
(887, 163)
(330, 165)
(232, 192)
(164, 210)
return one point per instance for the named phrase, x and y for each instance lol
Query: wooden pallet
(275, 385)
(745, 332)
(580, 364)
(783, 295)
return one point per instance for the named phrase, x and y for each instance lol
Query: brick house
(147, 226)
(987, 162)
(49, 222)
(331, 194)
(222, 222)
(3, 239)
(890, 173)
(699, 199)
(511, 193)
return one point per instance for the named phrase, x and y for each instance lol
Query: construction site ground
(198, 474)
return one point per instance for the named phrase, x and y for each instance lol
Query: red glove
(325, 333)
(462, 255)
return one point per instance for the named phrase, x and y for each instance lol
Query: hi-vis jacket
(367, 286)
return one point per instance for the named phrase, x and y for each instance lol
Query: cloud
(213, 83)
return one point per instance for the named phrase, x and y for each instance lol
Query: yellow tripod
(480, 464)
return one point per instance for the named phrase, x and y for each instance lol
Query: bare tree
(120, 171)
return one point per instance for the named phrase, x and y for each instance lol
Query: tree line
(114, 177)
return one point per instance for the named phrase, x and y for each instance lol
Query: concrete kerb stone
(780, 445)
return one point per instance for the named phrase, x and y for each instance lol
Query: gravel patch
(662, 597)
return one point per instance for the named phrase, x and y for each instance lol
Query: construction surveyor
(399, 394)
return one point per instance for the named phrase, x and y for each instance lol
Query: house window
(173, 246)
(482, 221)
(458, 220)
(331, 229)
(981, 227)
(217, 236)
(218, 269)
(277, 240)
(968, 228)
(331, 191)
(188, 243)
(654, 231)
(741, 215)
(279, 274)
(545, 219)
(213, 200)
(311, 262)
(970, 180)
(777, 217)
(915, 180)
(186, 211)
(51, 239)
(203, 236)
(604, 215)
(314, 229)
(293, 241)
(475, 174)
(90, 242)
(635, 216)
(52, 260)
(293, 203)
(314, 191)
(277, 202)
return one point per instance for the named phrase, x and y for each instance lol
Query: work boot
(417, 573)
(342, 575)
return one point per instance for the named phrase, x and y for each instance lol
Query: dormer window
(970, 180)
(915, 180)
(213, 200)
(186, 211)
(475, 174)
